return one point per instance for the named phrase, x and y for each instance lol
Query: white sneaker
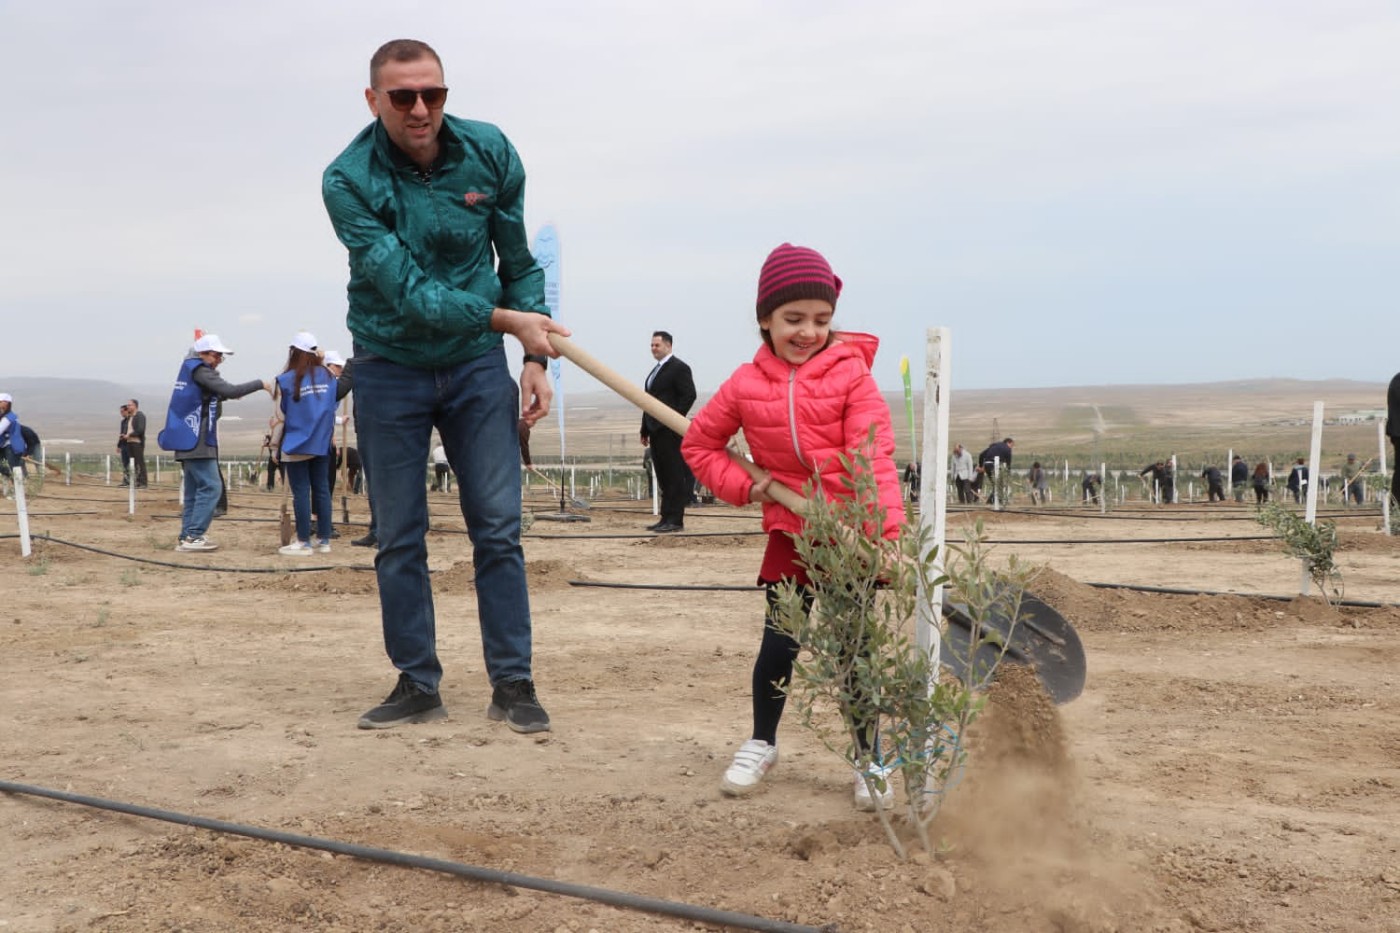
(196, 544)
(751, 762)
(865, 802)
(323, 547)
(295, 549)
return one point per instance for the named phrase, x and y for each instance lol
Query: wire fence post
(21, 511)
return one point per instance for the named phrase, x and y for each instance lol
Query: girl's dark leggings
(772, 671)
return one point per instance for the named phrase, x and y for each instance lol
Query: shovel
(1042, 640)
(575, 501)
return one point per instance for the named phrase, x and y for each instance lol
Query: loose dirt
(1233, 763)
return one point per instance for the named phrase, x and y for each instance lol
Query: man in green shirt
(430, 208)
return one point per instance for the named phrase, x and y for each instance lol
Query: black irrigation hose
(724, 512)
(640, 536)
(620, 899)
(179, 566)
(1166, 590)
(1145, 516)
(688, 587)
(1129, 540)
(1173, 591)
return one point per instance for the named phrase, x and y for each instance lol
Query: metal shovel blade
(1042, 639)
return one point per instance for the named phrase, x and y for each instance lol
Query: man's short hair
(663, 335)
(133, 403)
(399, 50)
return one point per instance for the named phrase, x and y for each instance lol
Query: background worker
(1298, 480)
(992, 465)
(1239, 477)
(1089, 487)
(134, 434)
(964, 473)
(121, 445)
(12, 445)
(192, 433)
(1215, 484)
(1352, 480)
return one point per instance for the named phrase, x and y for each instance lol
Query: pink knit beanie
(793, 272)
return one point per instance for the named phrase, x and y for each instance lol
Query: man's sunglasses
(405, 99)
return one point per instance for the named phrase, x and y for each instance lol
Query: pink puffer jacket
(797, 421)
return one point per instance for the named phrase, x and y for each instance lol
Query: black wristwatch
(537, 358)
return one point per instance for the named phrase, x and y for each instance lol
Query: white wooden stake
(1314, 457)
(109, 469)
(933, 486)
(67, 469)
(1385, 493)
(21, 511)
(655, 490)
(131, 487)
(1103, 488)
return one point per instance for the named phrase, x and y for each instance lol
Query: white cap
(5, 397)
(210, 343)
(333, 358)
(305, 340)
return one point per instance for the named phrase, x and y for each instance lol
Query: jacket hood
(866, 344)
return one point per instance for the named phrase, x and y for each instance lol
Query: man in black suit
(670, 382)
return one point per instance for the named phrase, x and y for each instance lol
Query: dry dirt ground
(1233, 763)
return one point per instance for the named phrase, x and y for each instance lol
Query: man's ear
(372, 100)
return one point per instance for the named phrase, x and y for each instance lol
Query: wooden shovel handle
(663, 413)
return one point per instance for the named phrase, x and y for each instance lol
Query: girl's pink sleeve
(705, 448)
(866, 406)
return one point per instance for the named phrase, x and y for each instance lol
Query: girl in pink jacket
(807, 398)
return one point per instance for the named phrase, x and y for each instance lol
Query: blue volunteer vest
(311, 418)
(187, 407)
(12, 436)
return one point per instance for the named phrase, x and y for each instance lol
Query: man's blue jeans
(202, 487)
(311, 485)
(474, 406)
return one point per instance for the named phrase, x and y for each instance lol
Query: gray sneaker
(514, 701)
(406, 704)
(196, 544)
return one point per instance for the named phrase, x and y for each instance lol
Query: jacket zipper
(792, 416)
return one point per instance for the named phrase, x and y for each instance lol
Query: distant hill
(1125, 422)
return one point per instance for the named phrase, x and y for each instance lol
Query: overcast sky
(1085, 191)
